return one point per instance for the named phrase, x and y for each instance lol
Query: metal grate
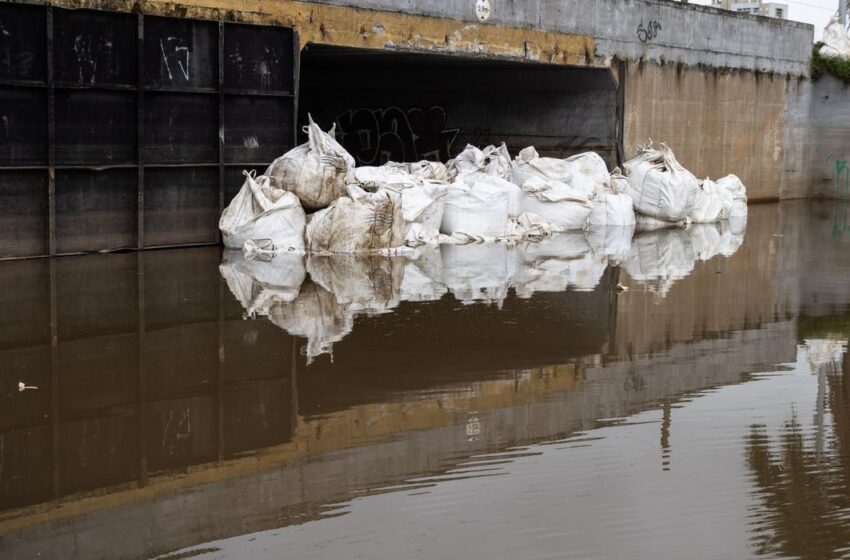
(122, 131)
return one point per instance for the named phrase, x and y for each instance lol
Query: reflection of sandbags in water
(423, 276)
(559, 263)
(660, 258)
(362, 284)
(648, 223)
(611, 242)
(478, 272)
(705, 240)
(315, 315)
(732, 235)
(259, 284)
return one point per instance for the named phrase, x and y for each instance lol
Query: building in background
(761, 8)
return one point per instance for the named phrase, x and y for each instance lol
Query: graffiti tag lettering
(840, 223)
(376, 136)
(175, 53)
(649, 32)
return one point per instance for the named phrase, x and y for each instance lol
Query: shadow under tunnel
(391, 106)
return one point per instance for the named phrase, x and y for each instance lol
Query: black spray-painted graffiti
(375, 136)
(649, 32)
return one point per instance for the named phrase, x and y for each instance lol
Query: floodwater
(474, 402)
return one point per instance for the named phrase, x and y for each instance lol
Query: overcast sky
(816, 12)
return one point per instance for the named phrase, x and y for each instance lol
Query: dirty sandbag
(585, 173)
(836, 41)
(611, 207)
(477, 273)
(362, 284)
(659, 186)
(359, 223)
(259, 284)
(709, 204)
(705, 239)
(424, 170)
(260, 211)
(659, 259)
(423, 276)
(735, 196)
(385, 176)
(422, 208)
(611, 242)
(479, 206)
(316, 172)
(492, 160)
(555, 202)
(315, 315)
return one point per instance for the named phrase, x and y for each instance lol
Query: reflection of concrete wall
(272, 491)
(720, 295)
(718, 122)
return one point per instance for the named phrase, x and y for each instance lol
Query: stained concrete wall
(717, 122)
(686, 33)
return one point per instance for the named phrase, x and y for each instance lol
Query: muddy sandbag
(316, 172)
(362, 284)
(557, 203)
(709, 204)
(585, 173)
(480, 206)
(385, 176)
(315, 315)
(734, 194)
(492, 160)
(836, 41)
(611, 207)
(359, 223)
(262, 212)
(659, 186)
(661, 258)
(259, 284)
(424, 170)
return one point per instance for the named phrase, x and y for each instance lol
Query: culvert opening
(392, 106)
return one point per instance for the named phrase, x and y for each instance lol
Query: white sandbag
(360, 223)
(479, 205)
(611, 242)
(556, 203)
(477, 273)
(709, 203)
(492, 160)
(262, 212)
(362, 284)
(424, 170)
(374, 178)
(659, 186)
(611, 207)
(259, 284)
(659, 259)
(836, 41)
(422, 208)
(423, 276)
(316, 172)
(315, 315)
(735, 197)
(585, 173)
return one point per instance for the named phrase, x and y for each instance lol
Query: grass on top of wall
(838, 67)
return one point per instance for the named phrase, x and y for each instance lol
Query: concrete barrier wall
(717, 122)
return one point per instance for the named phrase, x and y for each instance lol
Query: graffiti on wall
(375, 136)
(648, 32)
(840, 223)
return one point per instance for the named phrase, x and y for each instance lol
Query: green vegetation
(821, 65)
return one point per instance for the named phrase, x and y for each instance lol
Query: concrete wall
(717, 122)
(688, 33)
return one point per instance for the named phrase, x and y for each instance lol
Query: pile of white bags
(721, 200)
(316, 172)
(611, 207)
(659, 186)
(262, 212)
(556, 203)
(492, 160)
(836, 41)
(584, 173)
(479, 206)
(359, 223)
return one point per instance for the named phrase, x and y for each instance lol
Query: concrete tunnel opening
(401, 106)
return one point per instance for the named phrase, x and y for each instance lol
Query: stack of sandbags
(584, 173)
(659, 186)
(722, 200)
(316, 172)
(262, 212)
(359, 223)
(479, 206)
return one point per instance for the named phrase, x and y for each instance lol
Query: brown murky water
(477, 402)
